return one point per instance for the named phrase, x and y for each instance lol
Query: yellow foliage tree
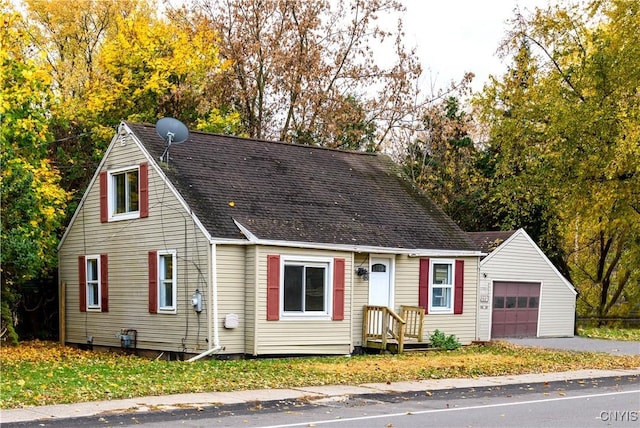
(564, 132)
(154, 67)
(114, 60)
(33, 203)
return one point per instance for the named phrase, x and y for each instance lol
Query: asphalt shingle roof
(290, 192)
(489, 241)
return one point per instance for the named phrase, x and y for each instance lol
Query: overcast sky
(456, 36)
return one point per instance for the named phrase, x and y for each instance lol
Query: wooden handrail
(380, 322)
(414, 317)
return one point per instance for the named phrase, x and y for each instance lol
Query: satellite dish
(172, 131)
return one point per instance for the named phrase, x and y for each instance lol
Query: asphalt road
(580, 403)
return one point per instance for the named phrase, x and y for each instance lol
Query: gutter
(411, 252)
(212, 321)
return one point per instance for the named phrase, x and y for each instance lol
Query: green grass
(610, 333)
(40, 373)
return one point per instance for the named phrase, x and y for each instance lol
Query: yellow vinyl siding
(251, 285)
(462, 325)
(300, 336)
(360, 297)
(230, 260)
(127, 244)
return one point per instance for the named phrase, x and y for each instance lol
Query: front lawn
(39, 373)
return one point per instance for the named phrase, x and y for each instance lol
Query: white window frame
(308, 261)
(97, 282)
(111, 194)
(174, 280)
(441, 309)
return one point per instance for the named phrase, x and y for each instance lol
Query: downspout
(479, 285)
(351, 305)
(213, 298)
(256, 276)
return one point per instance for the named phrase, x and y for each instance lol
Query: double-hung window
(167, 290)
(124, 194)
(306, 288)
(441, 287)
(93, 282)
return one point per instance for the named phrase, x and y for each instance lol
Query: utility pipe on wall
(212, 319)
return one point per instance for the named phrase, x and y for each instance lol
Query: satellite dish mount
(172, 131)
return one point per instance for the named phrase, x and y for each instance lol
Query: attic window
(124, 192)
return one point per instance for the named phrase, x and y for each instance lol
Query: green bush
(441, 341)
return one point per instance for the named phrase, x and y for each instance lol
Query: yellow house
(228, 246)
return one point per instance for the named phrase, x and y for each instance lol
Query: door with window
(380, 287)
(515, 309)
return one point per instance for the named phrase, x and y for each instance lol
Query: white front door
(380, 293)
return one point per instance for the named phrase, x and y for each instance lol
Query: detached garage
(521, 293)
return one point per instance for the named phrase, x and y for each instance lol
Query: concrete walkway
(581, 344)
(314, 393)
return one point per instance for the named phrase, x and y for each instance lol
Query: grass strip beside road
(610, 333)
(41, 373)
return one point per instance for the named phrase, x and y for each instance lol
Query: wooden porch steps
(392, 346)
(387, 331)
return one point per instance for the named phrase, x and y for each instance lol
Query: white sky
(456, 36)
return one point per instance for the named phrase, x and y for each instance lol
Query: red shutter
(82, 281)
(104, 201)
(338, 289)
(144, 189)
(104, 283)
(459, 287)
(273, 287)
(153, 282)
(423, 284)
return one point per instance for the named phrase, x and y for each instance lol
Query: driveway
(582, 344)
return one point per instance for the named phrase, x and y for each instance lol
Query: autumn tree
(171, 68)
(69, 41)
(443, 159)
(33, 203)
(115, 60)
(564, 137)
(304, 70)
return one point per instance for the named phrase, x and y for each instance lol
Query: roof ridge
(262, 140)
(281, 193)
